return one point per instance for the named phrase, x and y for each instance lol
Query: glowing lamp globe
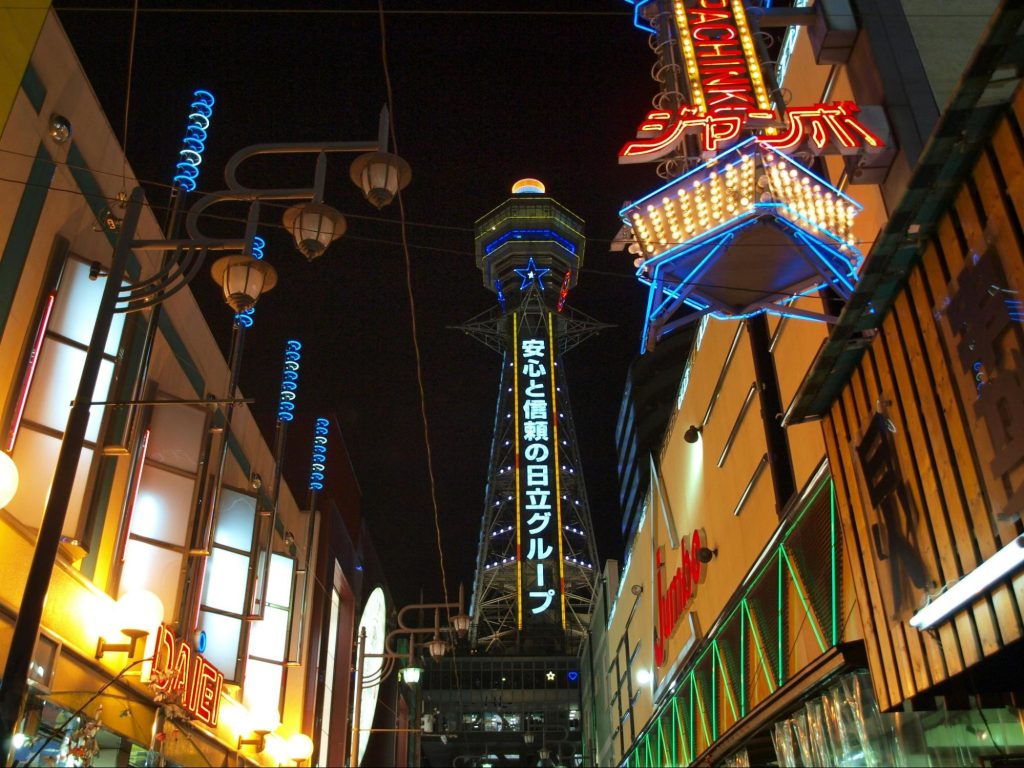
(8, 479)
(137, 612)
(300, 747)
(263, 718)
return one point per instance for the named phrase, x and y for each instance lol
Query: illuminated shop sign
(675, 593)
(181, 672)
(729, 96)
(538, 518)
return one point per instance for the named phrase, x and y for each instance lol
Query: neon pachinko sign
(729, 96)
(538, 518)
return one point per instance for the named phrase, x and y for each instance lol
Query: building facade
(251, 596)
(833, 467)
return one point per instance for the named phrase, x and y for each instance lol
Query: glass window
(56, 383)
(269, 638)
(235, 522)
(226, 576)
(176, 436)
(154, 568)
(223, 634)
(162, 505)
(78, 301)
(39, 450)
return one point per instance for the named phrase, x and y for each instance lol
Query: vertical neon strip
(756, 635)
(691, 727)
(779, 617)
(743, 658)
(832, 550)
(714, 690)
(122, 545)
(30, 370)
(519, 500)
(726, 684)
(558, 466)
(803, 600)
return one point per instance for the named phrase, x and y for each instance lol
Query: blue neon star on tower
(530, 273)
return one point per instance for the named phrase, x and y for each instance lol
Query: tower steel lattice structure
(537, 565)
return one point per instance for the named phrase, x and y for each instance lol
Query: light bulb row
(808, 199)
(697, 205)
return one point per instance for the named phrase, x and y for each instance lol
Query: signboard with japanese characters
(539, 542)
(729, 97)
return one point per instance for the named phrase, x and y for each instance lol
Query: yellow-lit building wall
(51, 201)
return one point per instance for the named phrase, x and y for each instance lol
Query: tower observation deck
(537, 566)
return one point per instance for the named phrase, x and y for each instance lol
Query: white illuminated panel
(222, 637)
(236, 520)
(328, 692)
(373, 621)
(78, 301)
(56, 384)
(153, 568)
(226, 574)
(162, 506)
(38, 452)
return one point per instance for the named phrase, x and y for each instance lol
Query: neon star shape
(531, 273)
(550, 675)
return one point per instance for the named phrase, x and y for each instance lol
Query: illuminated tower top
(530, 239)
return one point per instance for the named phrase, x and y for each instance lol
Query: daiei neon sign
(180, 671)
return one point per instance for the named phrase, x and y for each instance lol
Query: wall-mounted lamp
(261, 721)
(300, 748)
(527, 738)
(692, 435)
(544, 753)
(8, 479)
(706, 555)
(134, 615)
(643, 676)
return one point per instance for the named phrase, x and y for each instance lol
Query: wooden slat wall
(913, 374)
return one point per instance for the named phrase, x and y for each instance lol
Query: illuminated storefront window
(268, 640)
(39, 412)
(223, 601)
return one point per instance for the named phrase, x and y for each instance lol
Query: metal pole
(357, 692)
(207, 513)
(14, 688)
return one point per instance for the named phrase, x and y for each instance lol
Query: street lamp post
(187, 257)
(436, 647)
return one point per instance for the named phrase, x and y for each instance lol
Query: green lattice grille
(744, 661)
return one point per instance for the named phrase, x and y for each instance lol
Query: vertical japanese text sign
(538, 518)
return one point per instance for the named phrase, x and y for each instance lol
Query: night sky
(483, 95)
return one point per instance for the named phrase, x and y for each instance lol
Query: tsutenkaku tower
(537, 564)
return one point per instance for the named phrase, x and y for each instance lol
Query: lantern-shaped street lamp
(243, 279)
(380, 175)
(314, 226)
